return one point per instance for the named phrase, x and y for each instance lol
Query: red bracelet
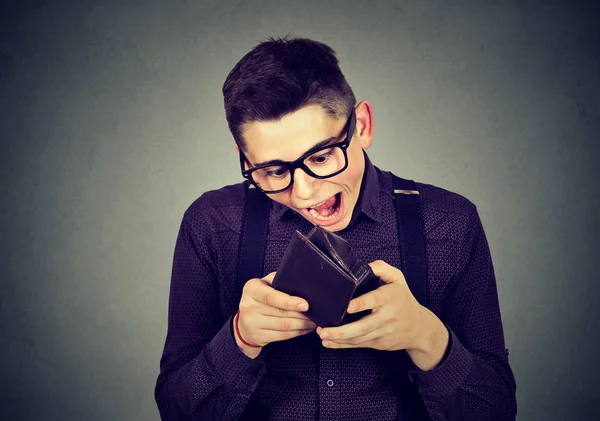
(237, 330)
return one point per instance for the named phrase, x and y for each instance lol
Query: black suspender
(412, 252)
(411, 237)
(253, 239)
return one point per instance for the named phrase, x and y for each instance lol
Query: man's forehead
(291, 136)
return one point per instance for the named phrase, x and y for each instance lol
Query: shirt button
(329, 382)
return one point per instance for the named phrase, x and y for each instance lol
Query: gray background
(112, 124)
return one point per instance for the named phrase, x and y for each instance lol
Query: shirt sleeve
(474, 381)
(203, 373)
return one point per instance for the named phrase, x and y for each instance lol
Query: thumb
(269, 278)
(387, 273)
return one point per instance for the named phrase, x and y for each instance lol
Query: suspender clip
(406, 191)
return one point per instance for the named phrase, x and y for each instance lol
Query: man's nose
(304, 185)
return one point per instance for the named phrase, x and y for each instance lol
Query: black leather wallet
(322, 268)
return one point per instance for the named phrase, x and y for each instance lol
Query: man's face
(295, 134)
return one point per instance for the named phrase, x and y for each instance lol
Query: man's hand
(397, 321)
(268, 315)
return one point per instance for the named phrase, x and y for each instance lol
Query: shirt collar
(368, 198)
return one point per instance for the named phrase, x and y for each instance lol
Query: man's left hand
(397, 321)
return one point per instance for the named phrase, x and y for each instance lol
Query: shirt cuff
(235, 367)
(452, 371)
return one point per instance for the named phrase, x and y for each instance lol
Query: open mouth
(326, 210)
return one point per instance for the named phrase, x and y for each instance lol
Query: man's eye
(321, 158)
(275, 172)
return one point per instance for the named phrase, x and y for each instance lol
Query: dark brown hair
(280, 76)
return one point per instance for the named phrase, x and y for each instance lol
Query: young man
(301, 138)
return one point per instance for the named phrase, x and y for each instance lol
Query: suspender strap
(412, 252)
(411, 236)
(253, 238)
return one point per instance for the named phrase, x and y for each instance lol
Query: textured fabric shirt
(205, 376)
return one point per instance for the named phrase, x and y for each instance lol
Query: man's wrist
(431, 344)
(251, 352)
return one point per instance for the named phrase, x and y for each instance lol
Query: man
(301, 138)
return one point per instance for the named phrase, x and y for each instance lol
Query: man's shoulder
(438, 199)
(446, 214)
(225, 203)
(433, 198)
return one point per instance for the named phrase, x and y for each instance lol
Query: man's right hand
(268, 315)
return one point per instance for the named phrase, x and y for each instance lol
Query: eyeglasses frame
(299, 163)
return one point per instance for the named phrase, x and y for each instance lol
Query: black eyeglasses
(324, 162)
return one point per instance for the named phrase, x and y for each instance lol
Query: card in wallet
(322, 268)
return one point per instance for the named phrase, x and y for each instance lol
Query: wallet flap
(338, 249)
(307, 272)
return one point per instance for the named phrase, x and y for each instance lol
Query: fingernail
(324, 335)
(302, 307)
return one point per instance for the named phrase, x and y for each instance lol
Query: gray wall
(112, 124)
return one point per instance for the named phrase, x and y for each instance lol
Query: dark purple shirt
(205, 376)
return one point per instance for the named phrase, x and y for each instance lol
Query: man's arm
(203, 373)
(474, 381)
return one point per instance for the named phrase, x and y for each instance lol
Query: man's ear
(364, 124)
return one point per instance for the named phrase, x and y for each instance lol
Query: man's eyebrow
(318, 145)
